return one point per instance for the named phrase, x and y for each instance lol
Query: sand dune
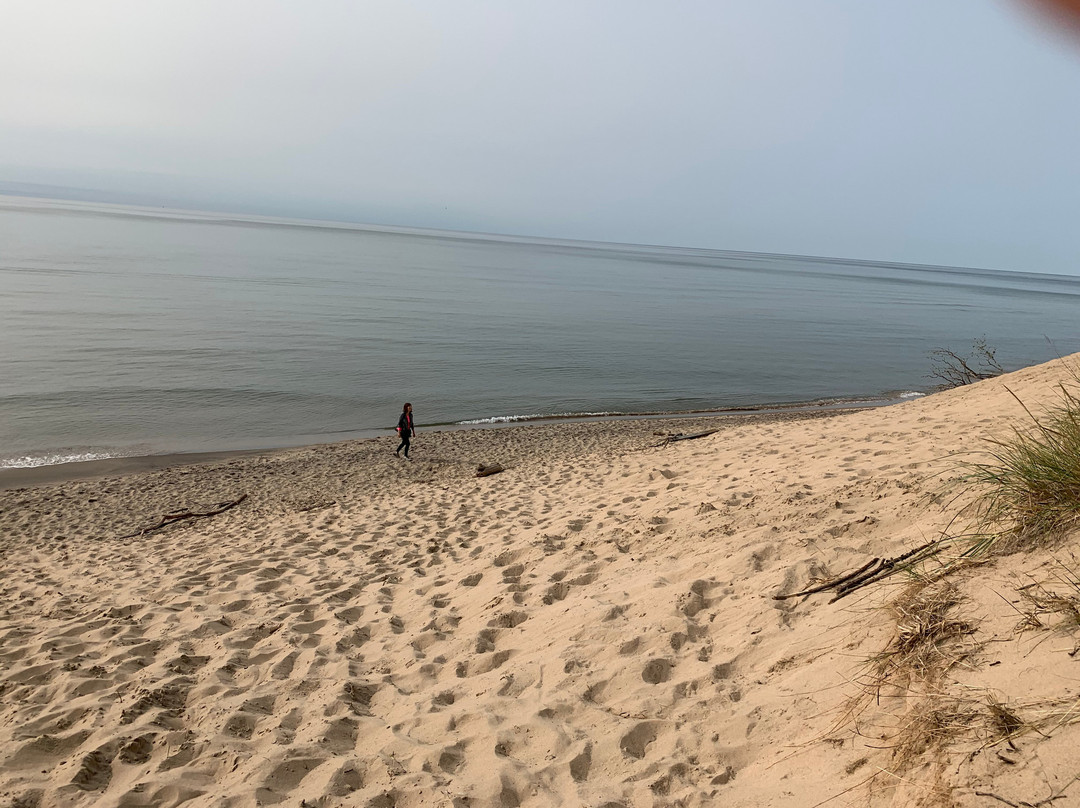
(593, 626)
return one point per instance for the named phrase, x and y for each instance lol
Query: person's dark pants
(404, 444)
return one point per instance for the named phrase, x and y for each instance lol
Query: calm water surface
(127, 331)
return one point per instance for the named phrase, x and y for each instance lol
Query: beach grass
(1030, 485)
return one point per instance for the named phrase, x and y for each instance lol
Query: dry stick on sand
(1022, 803)
(673, 438)
(830, 584)
(874, 570)
(892, 565)
(486, 471)
(177, 516)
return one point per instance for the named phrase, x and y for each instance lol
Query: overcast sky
(930, 131)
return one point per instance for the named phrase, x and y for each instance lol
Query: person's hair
(407, 405)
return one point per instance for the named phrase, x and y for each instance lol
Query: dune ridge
(593, 626)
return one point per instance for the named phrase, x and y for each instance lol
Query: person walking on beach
(405, 427)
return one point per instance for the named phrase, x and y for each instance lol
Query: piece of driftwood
(830, 584)
(486, 471)
(178, 516)
(872, 571)
(673, 438)
(889, 567)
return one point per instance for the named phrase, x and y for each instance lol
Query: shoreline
(18, 477)
(113, 497)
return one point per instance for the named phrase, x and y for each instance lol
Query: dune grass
(1030, 486)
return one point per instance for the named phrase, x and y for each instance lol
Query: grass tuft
(1053, 605)
(1031, 484)
(931, 725)
(928, 640)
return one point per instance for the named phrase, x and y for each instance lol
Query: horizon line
(248, 217)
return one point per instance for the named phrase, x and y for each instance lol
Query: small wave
(539, 416)
(52, 459)
(912, 394)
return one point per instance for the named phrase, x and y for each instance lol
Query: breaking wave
(539, 416)
(29, 461)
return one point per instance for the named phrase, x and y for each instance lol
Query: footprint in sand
(284, 668)
(452, 758)
(506, 558)
(485, 664)
(509, 619)
(692, 603)
(340, 737)
(241, 725)
(138, 750)
(657, 671)
(186, 664)
(285, 777)
(347, 779)
(556, 592)
(635, 743)
(581, 764)
(95, 771)
(485, 641)
(350, 614)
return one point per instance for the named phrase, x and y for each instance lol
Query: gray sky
(908, 130)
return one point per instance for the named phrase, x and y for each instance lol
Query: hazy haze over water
(138, 334)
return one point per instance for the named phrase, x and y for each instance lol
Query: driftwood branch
(674, 438)
(889, 567)
(486, 471)
(832, 583)
(955, 370)
(871, 572)
(178, 516)
(1022, 803)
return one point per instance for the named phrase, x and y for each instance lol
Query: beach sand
(592, 626)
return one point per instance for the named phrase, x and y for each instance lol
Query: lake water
(134, 331)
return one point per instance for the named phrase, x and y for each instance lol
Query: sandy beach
(593, 626)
